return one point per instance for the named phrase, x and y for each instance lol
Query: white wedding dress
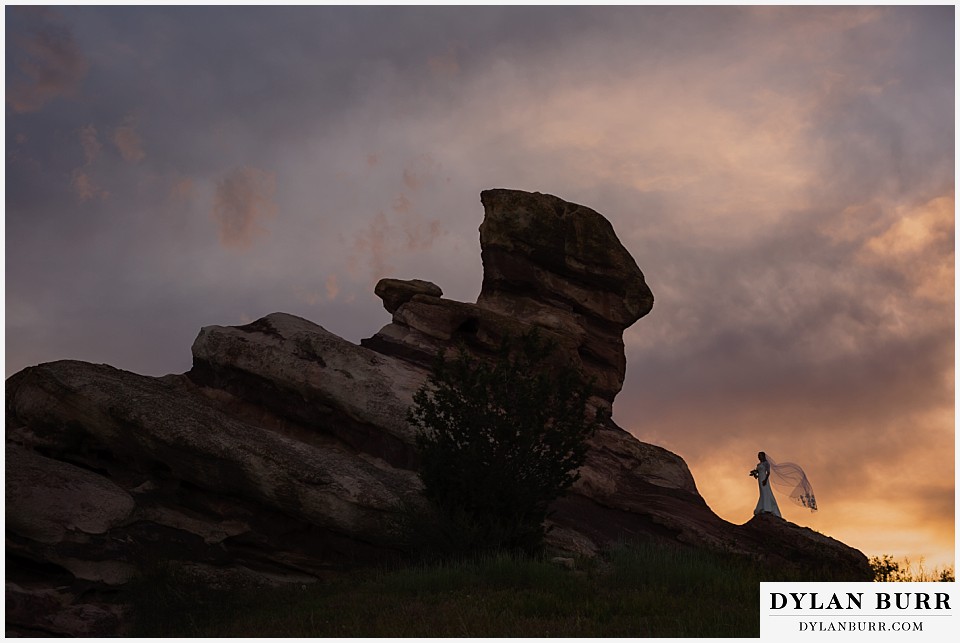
(767, 503)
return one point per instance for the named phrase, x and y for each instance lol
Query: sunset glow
(784, 177)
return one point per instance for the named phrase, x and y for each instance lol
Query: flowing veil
(790, 478)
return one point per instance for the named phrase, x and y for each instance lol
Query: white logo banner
(863, 611)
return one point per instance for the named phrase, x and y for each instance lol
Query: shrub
(886, 569)
(500, 440)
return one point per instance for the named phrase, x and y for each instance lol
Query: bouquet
(754, 473)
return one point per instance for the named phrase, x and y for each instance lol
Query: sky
(784, 177)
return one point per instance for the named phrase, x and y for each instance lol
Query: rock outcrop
(284, 452)
(546, 263)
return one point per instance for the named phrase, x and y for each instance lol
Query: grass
(639, 590)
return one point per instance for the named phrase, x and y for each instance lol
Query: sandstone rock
(570, 541)
(32, 612)
(423, 327)
(563, 562)
(547, 263)
(537, 248)
(616, 456)
(305, 374)
(149, 423)
(284, 452)
(396, 292)
(147, 469)
(45, 498)
(780, 542)
(238, 576)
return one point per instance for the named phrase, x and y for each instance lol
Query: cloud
(128, 143)
(90, 144)
(782, 175)
(48, 64)
(404, 231)
(182, 189)
(243, 199)
(382, 239)
(445, 65)
(828, 340)
(410, 179)
(84, 187)
(333, 288)
(401, 203)
(420, 234)
(918, 245)
(313, 296)
(373, 243)
(82, 181)
(420, 171)
(19, 156)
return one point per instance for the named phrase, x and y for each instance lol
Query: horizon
(782, 176)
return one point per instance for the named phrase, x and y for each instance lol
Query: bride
(787, 476)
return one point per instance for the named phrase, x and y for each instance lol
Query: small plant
(885, 569)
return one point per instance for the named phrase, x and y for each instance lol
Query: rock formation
(284, 452)
(546, 263)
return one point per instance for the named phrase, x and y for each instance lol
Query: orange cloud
(420, 234)
(913, 232)
(88, 141)
(919, 245)
(242, 200)
(410, 179)
(333, 288)
(445, 65)
(420, 171)
(49, 64)
(385, 238)
(84, 187)
(373, 243)
(128, 143)
(871, 454)
(182, 189)
(401, 203)
(311, 297)
(831, 345)
(81, 180)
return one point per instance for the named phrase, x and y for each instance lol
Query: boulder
(45, 498)
(539, 250)
(308, 376)
(396, 292)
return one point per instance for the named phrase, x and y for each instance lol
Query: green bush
(500, 440)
